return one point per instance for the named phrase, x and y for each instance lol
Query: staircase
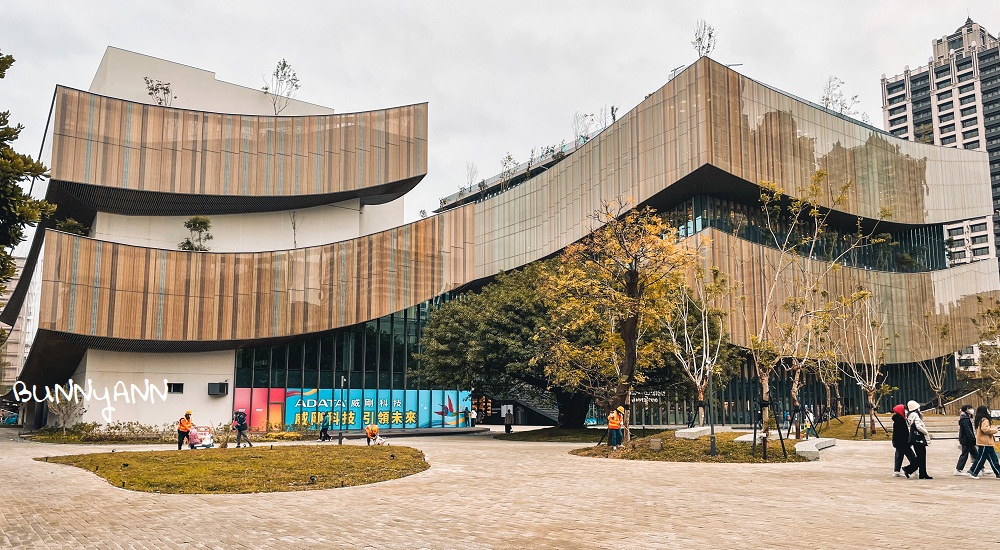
(545, 407)
(942, 427)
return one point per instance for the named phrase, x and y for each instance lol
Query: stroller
(200, 437)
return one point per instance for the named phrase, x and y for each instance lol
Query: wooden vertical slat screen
(116, 143)
(706, 115)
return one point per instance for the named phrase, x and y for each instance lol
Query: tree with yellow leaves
(608, 293)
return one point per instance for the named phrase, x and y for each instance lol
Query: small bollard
(656, 444)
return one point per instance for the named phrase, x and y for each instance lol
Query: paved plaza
(484, 493)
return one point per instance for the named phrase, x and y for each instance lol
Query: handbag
(916, 436)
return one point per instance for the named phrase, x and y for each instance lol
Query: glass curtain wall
(920, 248)
(356, 374)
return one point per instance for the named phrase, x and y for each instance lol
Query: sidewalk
(485, 493)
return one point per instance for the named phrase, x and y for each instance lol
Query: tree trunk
(573, 408)
(829, 409)
(871, 410)
(836, 395)
(765, 394)
(630, 338)
(796, 406)
(701, 405)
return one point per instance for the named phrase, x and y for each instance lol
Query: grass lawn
(693, 450)
(845, 431)
(559, 435)
(258, 469)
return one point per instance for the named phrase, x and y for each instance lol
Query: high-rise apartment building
(954, 101)
(15, 348)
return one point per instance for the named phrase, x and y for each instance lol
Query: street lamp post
(340, 436)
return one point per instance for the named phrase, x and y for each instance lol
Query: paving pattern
(484, 493)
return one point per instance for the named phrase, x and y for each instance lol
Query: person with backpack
(919, 436)
(901, 442)
(984, 440)
(241, 427)
(966, 439)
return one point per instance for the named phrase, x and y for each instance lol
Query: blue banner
(355, 409)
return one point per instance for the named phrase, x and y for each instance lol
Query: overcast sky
(499, 76)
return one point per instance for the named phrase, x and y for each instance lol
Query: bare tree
(159, 91)
(704, 39)
(935, 369)
(69, 409)
(581, 127)
(293, 218)
(834, 99)
(507, 166)
(861, 331)
(471, 174)
(283, 85)
(694, 331)
(784, 328)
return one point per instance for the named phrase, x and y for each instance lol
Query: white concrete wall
(379, 217)
(255, 232)
(121, 75)
(195, 370)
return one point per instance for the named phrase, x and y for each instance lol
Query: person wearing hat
(919, 436)
(184, 429)
(901, 442)
(615, 419)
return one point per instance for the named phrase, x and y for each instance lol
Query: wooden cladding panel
(116, 143)
(949, 296)
(98, 288)
(709, 114)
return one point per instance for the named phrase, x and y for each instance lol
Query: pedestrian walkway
(483, 493)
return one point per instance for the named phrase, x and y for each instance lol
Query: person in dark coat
(901, 442)
(966, 439)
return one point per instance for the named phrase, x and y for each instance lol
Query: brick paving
(484, 493)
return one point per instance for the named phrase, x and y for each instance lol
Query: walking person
(508, 420)
(615, 419)
(184, 426)
(919, 436)
(901, 442)
(966, 439)
(324, 427)
(241, 427)
(984, 440)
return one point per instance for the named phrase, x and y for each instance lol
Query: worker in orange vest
(371, 432)
(615, 419)
(184, 429)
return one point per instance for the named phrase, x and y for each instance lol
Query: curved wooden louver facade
(708, 116)
(108, 142)
(110, 290)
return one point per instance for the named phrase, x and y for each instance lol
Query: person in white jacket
(920, 438)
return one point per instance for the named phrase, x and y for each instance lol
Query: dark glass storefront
(357, 374)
